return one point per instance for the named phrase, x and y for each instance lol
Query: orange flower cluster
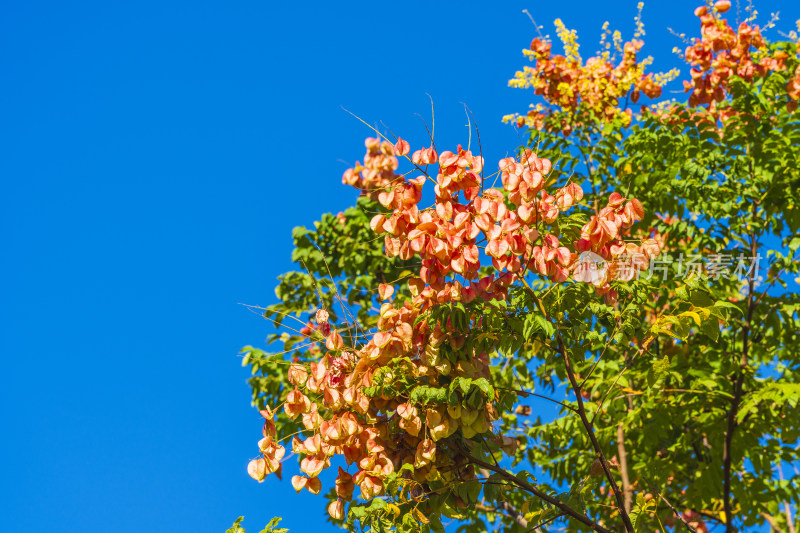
(793, 89)
(271, 451)
(590, 90)
(377, 170)
(722, 52)
(602, 236)
(381, 432)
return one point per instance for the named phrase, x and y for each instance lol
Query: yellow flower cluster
(569, 39)
(579, 91)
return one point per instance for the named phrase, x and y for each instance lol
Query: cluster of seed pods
(722, 52)
(596, 85)
(468, 226)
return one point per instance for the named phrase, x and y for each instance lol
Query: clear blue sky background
(155, 156)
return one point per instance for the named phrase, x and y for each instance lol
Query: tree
(422, 331)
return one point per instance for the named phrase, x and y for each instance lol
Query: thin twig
(677, 513)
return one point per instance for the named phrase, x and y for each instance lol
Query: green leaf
(236, 527)
(710, 327)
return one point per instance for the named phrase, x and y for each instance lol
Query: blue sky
(155, 157)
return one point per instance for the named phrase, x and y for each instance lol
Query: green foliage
(236, 527)
(687, 370)
(342, 262)
(341, 257)
(271, 527)
(709, 189)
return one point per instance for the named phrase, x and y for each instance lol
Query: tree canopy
(597, 334)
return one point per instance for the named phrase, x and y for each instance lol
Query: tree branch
(566, 509)
(787, 509)
(513, 513)
(507, 508)
(598, 450)
(587, 424)
(623, 467)
(677, 513)
(773, 525)
(738, 384)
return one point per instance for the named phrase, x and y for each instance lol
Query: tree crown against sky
(598, 333)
